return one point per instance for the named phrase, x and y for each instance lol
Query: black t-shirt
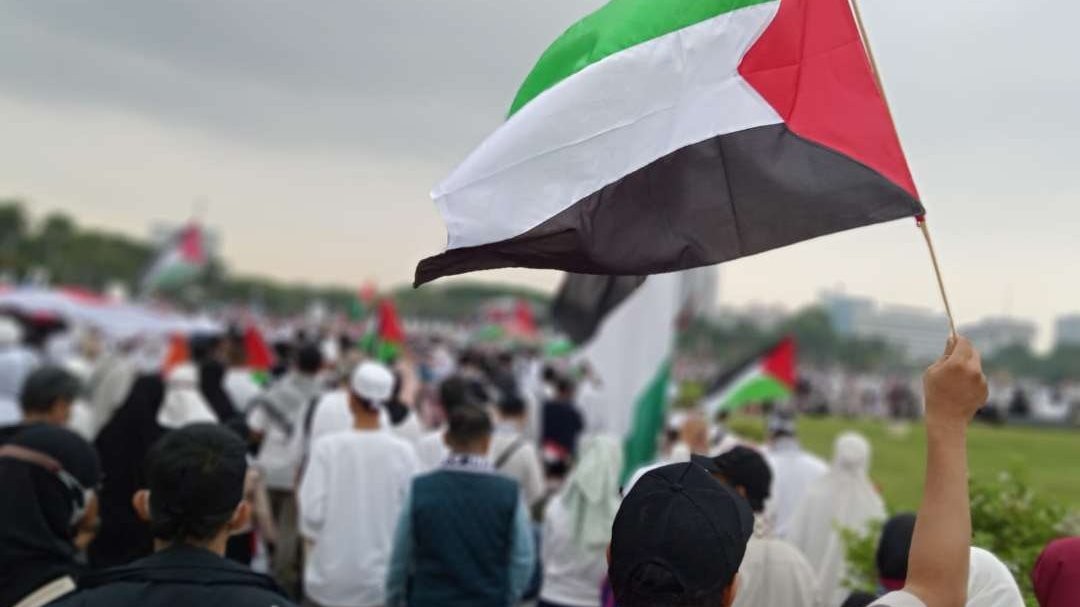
(562, 424)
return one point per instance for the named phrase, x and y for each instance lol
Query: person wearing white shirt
(577, 527)
(512, 453)
(350, 498)
(794, 472)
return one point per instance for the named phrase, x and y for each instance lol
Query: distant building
(763, 317)
(991, 335)
(918, 333)
(1067, 330)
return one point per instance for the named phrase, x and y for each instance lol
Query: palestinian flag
(181, 261)
(657, 136)
(628, 334)
(386, 340)
(767, 375)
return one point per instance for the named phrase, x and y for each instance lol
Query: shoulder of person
(898, 599)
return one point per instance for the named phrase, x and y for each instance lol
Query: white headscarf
(990, 584)
(183, 403)
(843, 498)
(591, 494)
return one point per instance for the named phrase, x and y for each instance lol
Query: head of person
(678, 539)
(195, 487)
(371, 385)
(48, 394)
(208, 349)
(454, 392)
(892, 550)
(990, 583)
(511, 408)
(781, 426)
(694, 433)
(744, 470)
(469, 431)
(565, 388)
(851, 454)
(1056, 576)
(309, 360)
(236, 348)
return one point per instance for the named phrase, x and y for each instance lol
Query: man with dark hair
(463, 538)
(352, 493)
(454, 392)
(193, 502)
(47, 396)
(773, 571)
(275, 419)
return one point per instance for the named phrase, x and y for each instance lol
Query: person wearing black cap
(49, 476)
(193, 503)
(678, 539)
(773, 572)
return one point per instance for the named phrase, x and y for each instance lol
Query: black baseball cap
(678, 539)
(742, 467)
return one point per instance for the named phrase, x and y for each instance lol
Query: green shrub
(1008, 519)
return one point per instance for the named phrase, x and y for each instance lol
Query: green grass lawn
(1048, 459)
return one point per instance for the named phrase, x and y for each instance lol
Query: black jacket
(181, 575)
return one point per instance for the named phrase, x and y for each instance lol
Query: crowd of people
(448, 477)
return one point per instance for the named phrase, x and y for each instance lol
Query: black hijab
(35, 513)
(123, 444)
(212, 386)
(893, 549)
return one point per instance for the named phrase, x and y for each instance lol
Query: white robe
(794, 472)
(843, 498)
(774, 572)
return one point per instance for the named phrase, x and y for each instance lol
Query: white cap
(372, 381)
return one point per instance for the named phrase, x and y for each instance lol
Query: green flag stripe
(640, 446)
(758, 389)
(614, 27)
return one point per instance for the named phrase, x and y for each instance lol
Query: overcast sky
(316, 129)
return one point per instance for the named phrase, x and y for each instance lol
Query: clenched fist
(955, 385)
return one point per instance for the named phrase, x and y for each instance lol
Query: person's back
(513, 454)
(794, 472)
(194, 503)
(353, 491)
(757, 588)
(179, 575)
(463, 523)
(464, 539)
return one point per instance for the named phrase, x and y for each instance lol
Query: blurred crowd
(233, 468)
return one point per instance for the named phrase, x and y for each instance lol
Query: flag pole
(920, 221)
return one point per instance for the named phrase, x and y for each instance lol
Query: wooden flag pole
(921, 219)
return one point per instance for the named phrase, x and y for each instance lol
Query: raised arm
(938, 562)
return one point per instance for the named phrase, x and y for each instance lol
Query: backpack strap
(509, 452)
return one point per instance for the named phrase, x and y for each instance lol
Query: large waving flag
(628, 330)
(658, 136)
(181, 261)
(765, 376)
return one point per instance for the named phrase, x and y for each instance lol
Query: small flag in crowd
(180, 262)
(659, 136)
(767, 375)
(386, 339)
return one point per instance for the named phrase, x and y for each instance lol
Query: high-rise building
(991, 335)
(1067, 330)
(918, 333)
